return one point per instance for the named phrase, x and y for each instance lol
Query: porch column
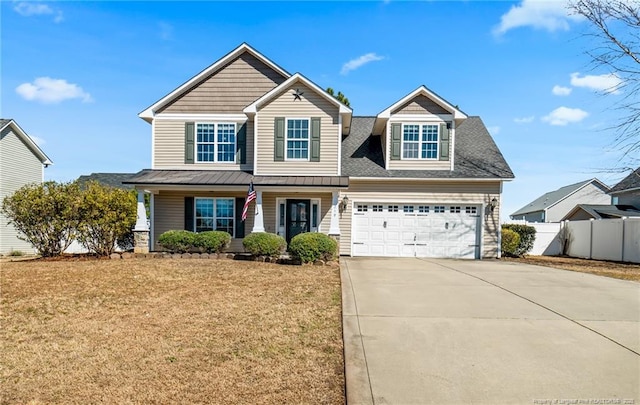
(334, 227)
(258, 221)
(141, 229)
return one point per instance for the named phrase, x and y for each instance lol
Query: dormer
(418, 132)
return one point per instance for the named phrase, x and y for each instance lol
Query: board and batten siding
(312, 105)
(473, 193)
(19, 166)
(169, 213)
(169, 144)
(229, 89)
(420, 104)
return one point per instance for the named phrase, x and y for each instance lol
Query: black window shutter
(278, 151)
(241, 143)
(238, 216)
(189, 141)
(396, 141)
(188, 214)
(315, 140)
(444, 142)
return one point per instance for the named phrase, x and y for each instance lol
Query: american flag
(251, 195)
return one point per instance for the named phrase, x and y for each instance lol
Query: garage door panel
(408, 230)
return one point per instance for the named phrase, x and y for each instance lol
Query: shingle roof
(476, 154)
(605, 211)
(108, 179)
(4, 122)
(632, 181)
(231, 178)
(548, 199)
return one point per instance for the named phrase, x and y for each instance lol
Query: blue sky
(76, 74)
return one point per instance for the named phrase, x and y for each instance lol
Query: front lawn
(169, 331)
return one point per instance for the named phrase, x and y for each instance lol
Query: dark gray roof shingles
(108, 179)
(548, 199)
(476, 154)
(632, 181)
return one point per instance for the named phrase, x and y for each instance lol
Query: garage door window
(376, 208)
(423, 209)
(454, 210)
(470, 210)
(362, 208)
(438, 209)
(408, 209)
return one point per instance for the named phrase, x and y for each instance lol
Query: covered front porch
(208, 200)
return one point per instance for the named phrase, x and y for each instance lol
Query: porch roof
(230, 178)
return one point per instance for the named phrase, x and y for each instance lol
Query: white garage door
(408, 230)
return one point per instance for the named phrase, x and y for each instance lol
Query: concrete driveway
(422, 331)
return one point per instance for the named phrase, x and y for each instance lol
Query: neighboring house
(555, 205)
(108, 179)
(419, 179)
(591, 211)
(22, 162)
(627, 192)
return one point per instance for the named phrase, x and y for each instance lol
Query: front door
(298, 217)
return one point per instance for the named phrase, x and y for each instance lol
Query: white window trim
(214, 199)
(420, 141)
(286, 139)
(215, 142)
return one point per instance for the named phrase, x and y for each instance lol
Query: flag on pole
(251, 195)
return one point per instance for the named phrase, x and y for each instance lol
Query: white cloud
(50, 91)
(608, 82)
(565, 115)
(28, 9)
(550, 15)
(524, 120)
(494, 130)
(354, 64)
(561, 91)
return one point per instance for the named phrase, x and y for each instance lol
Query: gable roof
(476, 154)
(108, 179)
(148, 113)
(4, 123)
(422, 90)
(298, 77)
(597, 211)
(551, 198)
(631, 182)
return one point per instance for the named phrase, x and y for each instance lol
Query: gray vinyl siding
(18, 166)
(312, 105)
(476, 193)
(631, 197)
(420, 105)
(229, 89)
(169, 148)
(589, 194)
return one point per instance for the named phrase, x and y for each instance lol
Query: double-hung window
(297, 139)
(216, 142)
(214, 214)
(419, 141)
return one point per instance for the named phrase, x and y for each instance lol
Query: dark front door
(298, 217)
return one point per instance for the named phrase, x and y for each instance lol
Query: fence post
(591, 238)
(624, 222)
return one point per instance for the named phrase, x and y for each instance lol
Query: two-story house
(22, 162)
(419, 179)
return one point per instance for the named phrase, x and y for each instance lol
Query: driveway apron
(431, 331)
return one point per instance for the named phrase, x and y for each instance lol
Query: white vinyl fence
(602, 239)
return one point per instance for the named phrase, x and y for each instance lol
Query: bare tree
(615, 29)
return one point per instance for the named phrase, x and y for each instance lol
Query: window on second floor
(216, 142)
(419, 141)
(297, 140)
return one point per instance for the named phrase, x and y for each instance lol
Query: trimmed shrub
(510, 242)
(212, 241)
(311, 246)
(177, 241)
(264, 244)
(527, 237)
